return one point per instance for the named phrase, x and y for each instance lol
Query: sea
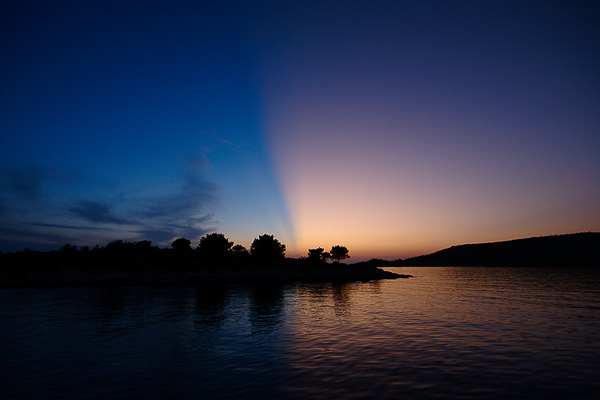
(446, 333)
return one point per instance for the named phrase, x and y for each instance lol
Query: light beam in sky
(398, 131)
(392, 128)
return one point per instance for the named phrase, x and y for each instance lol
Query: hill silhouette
(571, 250)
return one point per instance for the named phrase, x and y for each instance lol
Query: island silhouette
(217, 259)
(214, 259)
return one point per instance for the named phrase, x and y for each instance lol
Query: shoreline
(156, 278)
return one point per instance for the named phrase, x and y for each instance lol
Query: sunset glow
(392, 128)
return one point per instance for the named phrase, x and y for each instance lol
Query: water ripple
(460, 333)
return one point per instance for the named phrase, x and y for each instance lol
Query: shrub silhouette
(339, 253)
(214, 246)
(266, 247)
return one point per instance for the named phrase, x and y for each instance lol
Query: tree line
(212, 249)
(336, 253)
(265, 247)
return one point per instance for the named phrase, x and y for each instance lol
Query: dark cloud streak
(184, 213)
(24, 182)
(96, 212)
(30, 219)
(74, 227)
(17, 238)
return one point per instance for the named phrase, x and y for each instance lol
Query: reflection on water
(265, 308)
(448, 333)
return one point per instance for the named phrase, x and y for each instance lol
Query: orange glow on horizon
(349, 184)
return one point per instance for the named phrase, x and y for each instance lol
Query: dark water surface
(453, 333)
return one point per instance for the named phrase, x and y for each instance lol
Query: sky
(395, 128)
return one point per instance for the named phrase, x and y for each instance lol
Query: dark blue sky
(394, 128)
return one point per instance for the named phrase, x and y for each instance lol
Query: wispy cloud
(24, 182)
(184, 213)
(15, 238)
(61, 226)
(31, 217)
(96, 212)
(193, 197)
(190, 228)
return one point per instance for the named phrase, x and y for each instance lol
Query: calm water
(448, 333)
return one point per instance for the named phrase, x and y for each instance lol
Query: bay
(449, 332)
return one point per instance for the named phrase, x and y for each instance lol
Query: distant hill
(572, 250)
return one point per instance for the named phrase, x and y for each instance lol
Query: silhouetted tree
(238, 249)
(339, 253)
(144, 248)
(116, 248)
(315, 256)
(266, 247)
(118, 251)
(181, 245)
(318, 255)
(146, 245)
(214, 246)
(68, 249)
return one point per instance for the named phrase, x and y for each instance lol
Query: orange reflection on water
(457, 331)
